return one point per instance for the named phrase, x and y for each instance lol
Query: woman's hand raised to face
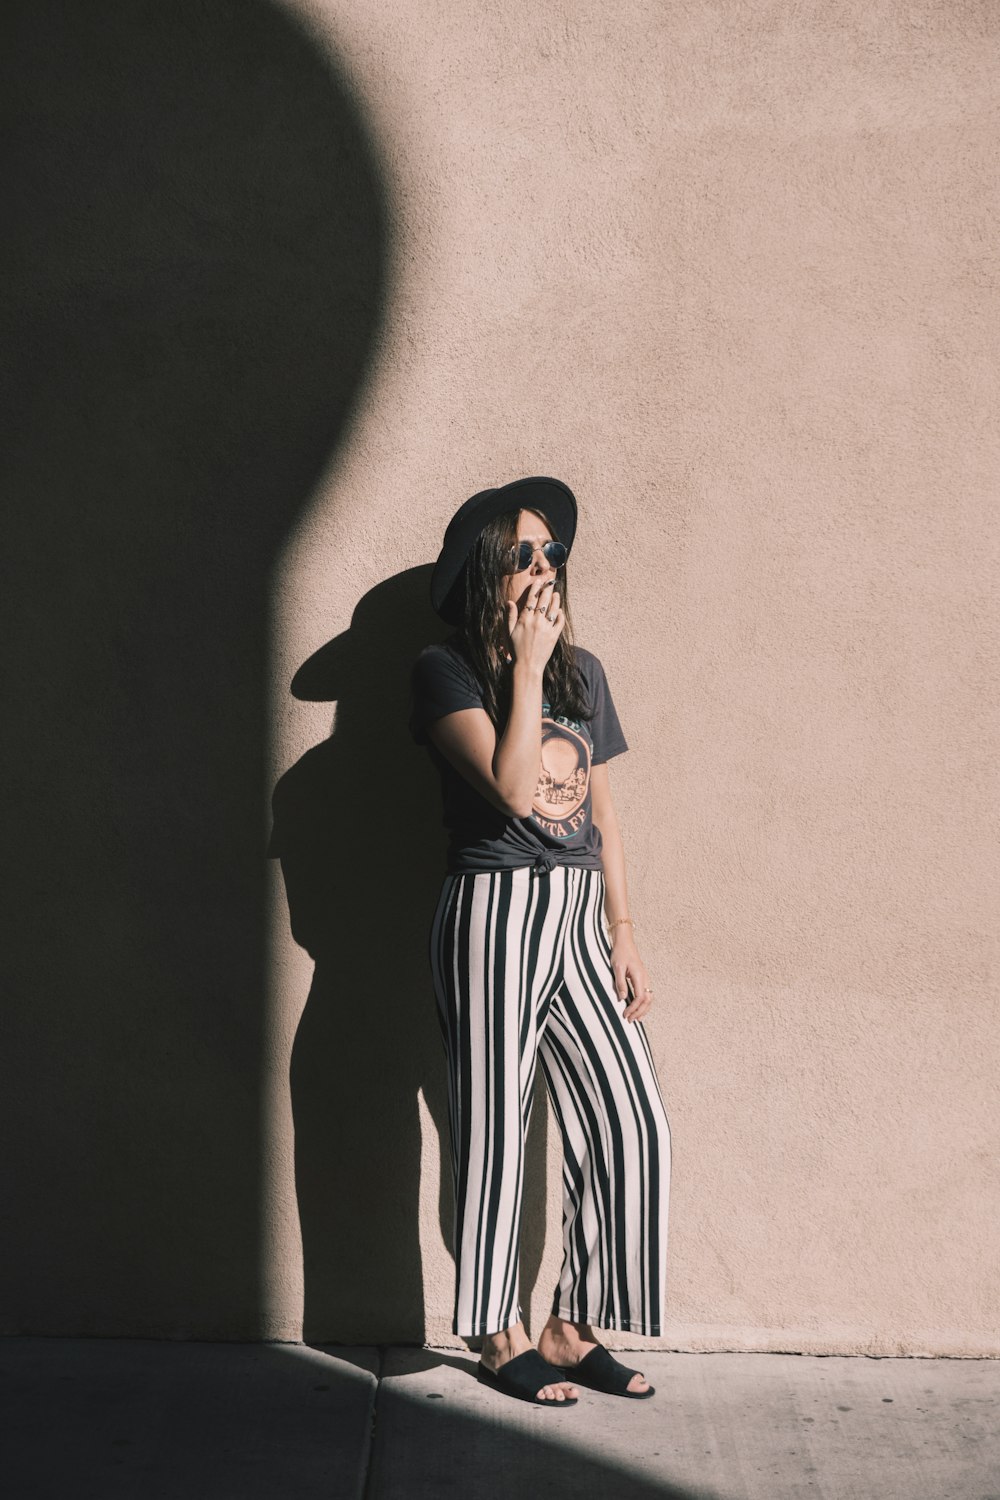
(535, 623)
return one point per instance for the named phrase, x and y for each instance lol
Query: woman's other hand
(534, 623)
(631, 979)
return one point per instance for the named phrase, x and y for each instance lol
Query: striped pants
(522, 971)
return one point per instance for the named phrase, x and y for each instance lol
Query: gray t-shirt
(560, 829)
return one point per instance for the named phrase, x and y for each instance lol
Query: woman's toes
(558, 1393)
(638, 1383)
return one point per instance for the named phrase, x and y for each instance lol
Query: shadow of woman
(358, 832)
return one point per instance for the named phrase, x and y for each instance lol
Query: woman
(521, 726)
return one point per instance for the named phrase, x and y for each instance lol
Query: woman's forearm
(615, 885)
(518, 754)
(631, 979)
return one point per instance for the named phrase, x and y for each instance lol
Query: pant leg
(616, 1137)
(495, 949)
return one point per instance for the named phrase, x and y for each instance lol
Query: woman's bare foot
(566, 1344)
(498, 1348)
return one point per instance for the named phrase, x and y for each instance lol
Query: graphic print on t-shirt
(558, 806)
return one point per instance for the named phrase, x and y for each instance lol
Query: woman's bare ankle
(505, 1344)
(562, 1340)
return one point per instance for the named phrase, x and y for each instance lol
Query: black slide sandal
(523, 1377)
(600, 1371)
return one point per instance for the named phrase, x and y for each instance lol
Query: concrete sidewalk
(108, 1419)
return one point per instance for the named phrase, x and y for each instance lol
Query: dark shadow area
(357, 827)
(110, 1419)
(193, 277)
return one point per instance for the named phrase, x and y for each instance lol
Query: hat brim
(539, 492)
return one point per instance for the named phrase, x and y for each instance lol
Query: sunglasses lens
(521, 553)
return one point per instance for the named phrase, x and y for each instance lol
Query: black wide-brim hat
(551, 496)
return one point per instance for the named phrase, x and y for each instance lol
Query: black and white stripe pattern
(522, 972)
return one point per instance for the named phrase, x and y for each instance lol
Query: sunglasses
(521, 554)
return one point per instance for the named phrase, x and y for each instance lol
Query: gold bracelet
(618, 922)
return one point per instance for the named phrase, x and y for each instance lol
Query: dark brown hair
(483, 635)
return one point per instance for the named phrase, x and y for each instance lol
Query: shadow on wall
(357, 827)
(192, 284)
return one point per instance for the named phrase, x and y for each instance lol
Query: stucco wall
(730, 271)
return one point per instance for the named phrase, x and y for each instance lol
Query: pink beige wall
(731, 272)
(297, 280)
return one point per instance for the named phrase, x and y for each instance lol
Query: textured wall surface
(729, 270)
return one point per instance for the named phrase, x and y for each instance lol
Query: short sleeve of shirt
(442, 684)
(605, 728)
